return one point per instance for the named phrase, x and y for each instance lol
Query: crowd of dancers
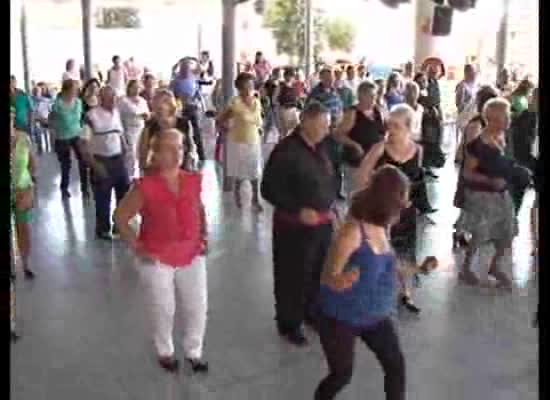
(347, 181)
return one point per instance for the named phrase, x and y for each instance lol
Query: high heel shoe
(198, 365)
(409, 305)
(170, 364)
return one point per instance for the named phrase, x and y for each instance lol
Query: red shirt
(171, 228)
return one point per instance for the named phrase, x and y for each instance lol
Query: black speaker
(461, 5)
(442, 21)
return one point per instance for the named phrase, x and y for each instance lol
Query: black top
(412, 167)
(524, 133)
(366, 131)
(493, 163)
(297, 176)
(270, 87)
(288, 96)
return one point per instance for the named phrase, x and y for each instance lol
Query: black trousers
(338, 342)
(63, 151)
(334, 152)
(192, 113)
(298, 257)
(117, 179)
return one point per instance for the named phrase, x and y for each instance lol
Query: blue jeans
(117, 179)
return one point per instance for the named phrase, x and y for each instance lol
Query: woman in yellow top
(244, 149)
(23, 172)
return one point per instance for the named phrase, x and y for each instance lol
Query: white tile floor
(84, 329)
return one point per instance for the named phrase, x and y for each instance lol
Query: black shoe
(429, 210)
(341, 196)
(409, 305)
(65, 194)
(86, 195)
(197, 365)
(104, 236)
(14, 337)
(116, 233)
(416, 281)
(29, 274)
(170, 364)
(297, 337)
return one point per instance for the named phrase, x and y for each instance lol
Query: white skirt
(244, 161)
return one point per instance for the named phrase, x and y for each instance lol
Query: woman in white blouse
(133, 111)
(412, 92)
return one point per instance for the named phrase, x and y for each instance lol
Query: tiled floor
(84, 329)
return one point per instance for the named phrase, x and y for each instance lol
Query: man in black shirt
(299, 181)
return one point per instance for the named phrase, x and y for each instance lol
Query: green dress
(22, 179)
(13, 247)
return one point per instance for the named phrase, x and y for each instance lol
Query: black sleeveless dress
(367, 132)
(403, 234)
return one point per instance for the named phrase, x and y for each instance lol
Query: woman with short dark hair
(358, 287)
(244, 150)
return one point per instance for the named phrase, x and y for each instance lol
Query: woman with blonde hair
(399, 150)
(164, 116)
(170, 246)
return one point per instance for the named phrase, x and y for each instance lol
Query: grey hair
(367, 86)
(410, 86)
(497, 103)
(403, 111)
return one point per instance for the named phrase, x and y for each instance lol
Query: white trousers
(132, 138)
(165, 285)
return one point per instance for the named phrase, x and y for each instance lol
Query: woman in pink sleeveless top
(170, 246)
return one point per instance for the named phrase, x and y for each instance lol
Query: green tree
(340, 34)
(286, 20)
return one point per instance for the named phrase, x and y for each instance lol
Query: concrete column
(308, 57)
(87, 36)
(502, 38)
(228, 68)
(25, 49)
(427, 45)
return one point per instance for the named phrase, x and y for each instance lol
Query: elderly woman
(361, 128)
(488, 209)
(170, 246)
(402, 152)
(244, 150)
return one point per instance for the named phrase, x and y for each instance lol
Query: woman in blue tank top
(358, 288)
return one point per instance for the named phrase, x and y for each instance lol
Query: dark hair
(366, 86)
(115, 58)
(485, 94)
(523, 88)
(88, 83)
(242, 78)
(325, 70)
(478, 118)
(418, 76)
(68, 62)
(392, 82)
(314, 109)
(148, 76)
(350, 68)
(371, 207)
(469, 67)
(289, 72)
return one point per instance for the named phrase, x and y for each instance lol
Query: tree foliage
(286, 20)
(340, 34)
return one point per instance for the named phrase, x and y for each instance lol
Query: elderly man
(298, 182)
(104, 148)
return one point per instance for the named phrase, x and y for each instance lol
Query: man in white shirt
(104, 148)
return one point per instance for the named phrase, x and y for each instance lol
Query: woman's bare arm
(367, 165)
(341, 134)
(346, 242)
(128, 208)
